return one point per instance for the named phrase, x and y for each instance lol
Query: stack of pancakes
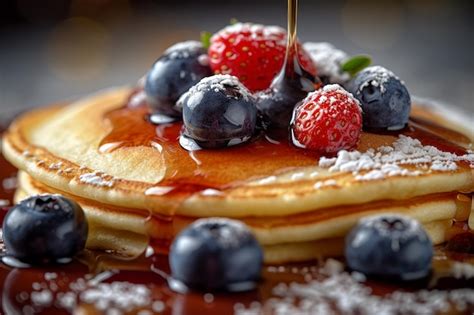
(297, 213)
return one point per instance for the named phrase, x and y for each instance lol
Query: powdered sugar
(321, 184)
(97, 179)
(342, 292)
(328, 60)
(398, 226)
(231, 232)
(55, 166)
(395, 160)
(377, 76)
(119, 296)
(328, 89)
(461, 270)
(217, 83)
(270, 32)
(182, 50)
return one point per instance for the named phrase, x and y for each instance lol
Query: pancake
(434, 111)
(61, 147)
(284, 239)
(135, 182)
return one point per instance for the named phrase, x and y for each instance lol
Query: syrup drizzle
(213, 171)
(190, 172)
(204, 169)
(289, 87)
(292, 71)
(152, 270)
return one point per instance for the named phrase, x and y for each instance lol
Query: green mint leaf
(356, 64)
(233, 21)
(206, 39)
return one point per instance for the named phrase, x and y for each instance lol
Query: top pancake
(63, 147)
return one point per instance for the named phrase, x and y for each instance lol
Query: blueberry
(216, 254)
(44, 229)
(181, 66)
(384, 99)
(218, 112)
(391, 246)
(276, 104)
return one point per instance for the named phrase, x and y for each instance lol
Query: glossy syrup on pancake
(191, 172)
(153, 271)
(212, 171)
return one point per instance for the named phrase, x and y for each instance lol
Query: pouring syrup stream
(292, 68)
(290, 86)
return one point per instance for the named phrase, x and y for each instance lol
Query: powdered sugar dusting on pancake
(393, 160)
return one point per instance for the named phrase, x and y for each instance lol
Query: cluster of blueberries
(176, 86)
(215, 253)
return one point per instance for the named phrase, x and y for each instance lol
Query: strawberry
(254, 53)
(327, 120)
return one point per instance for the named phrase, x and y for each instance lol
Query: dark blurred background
(56, 49)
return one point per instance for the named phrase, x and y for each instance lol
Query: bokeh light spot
(78, 49)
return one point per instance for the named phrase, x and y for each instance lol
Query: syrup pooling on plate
(21, 293)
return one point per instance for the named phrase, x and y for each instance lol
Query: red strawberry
(327, 120)
(254, 53)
